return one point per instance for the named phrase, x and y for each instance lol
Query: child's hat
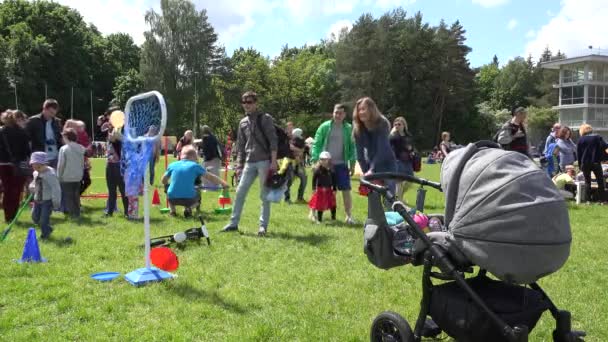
(297, 132)
(38, 158)
(325, 155)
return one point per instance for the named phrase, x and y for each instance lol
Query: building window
(598, 73)
(573, 73)
(597, 117)
(571, 117)
(578, 94)
(597, 95)
(573, 95)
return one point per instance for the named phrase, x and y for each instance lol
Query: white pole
(72, 105)
(147, 216)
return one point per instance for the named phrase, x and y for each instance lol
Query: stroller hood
(504, 213)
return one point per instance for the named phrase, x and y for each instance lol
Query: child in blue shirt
(183, 175)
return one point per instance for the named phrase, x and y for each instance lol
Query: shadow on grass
(310, 239)
(190, 292)
(59, 242)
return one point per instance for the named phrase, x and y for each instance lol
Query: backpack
(283, 148)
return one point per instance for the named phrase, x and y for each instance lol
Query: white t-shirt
(51, 149)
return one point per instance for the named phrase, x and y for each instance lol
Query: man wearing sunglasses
(256, 146)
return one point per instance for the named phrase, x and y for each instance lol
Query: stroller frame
(435, 256)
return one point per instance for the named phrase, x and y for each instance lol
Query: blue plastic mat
(105, 276)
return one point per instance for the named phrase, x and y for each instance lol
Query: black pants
(70, 192)
(115, 179)
(596, 168)
(299, 172)
(320, 214)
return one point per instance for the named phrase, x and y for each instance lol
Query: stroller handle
(366, 180)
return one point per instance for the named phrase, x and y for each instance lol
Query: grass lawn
(302, 282)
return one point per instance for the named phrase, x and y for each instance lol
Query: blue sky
(507, 28)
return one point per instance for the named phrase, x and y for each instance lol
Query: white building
(583, 91)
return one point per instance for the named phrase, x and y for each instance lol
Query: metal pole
(92, 118)
(72, 105)
(195, 103)
(16, 98)
(46, 93)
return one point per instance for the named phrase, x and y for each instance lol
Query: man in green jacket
(336, 137)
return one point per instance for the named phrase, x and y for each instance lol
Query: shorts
(342, 177)
(186, 202)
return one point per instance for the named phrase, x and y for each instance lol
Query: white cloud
(550, 13)
(112, 16)
(512, 24)
(530, 34)
(300, 9)
(387, 4)
(230, 19)
(578, 24)
(334, 30)
(490, 3)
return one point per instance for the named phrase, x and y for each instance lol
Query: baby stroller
(502, 215)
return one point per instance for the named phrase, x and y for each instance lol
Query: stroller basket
(454, 311)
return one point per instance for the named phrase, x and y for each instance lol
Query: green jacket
(321, 142)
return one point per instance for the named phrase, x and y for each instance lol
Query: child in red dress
(324, 188)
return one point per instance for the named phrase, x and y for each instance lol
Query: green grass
(302, 282)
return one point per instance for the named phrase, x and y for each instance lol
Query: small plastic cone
(156, 198)
(164, 258)
(31, 251)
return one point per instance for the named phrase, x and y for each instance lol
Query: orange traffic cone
(156, 198)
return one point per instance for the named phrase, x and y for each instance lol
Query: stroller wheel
(391, 327)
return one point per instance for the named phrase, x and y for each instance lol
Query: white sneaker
(262, 231)
(350, 220)
(312, 217)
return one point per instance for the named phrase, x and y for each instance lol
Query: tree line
(408, 66)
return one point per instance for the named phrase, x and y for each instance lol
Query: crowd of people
(51, 158)
(562, 155)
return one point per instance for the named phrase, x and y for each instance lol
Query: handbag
(416, 161)
(21, 168)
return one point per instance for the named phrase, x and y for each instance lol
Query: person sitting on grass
(565, 182)
(47, 192)
(183, 174)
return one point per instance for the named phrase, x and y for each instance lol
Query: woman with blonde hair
(402, 144)
(371, 133)
(590, 152)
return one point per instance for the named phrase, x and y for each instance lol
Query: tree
(180, 49)
(410, 69)
(485, 79)
(48, 49)
(540, 121)
(126, 86)
(514, 86)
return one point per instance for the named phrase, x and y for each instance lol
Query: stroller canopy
(504, 214)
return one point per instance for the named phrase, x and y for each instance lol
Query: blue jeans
(41, 215)
(299, 172)
(250, 173)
